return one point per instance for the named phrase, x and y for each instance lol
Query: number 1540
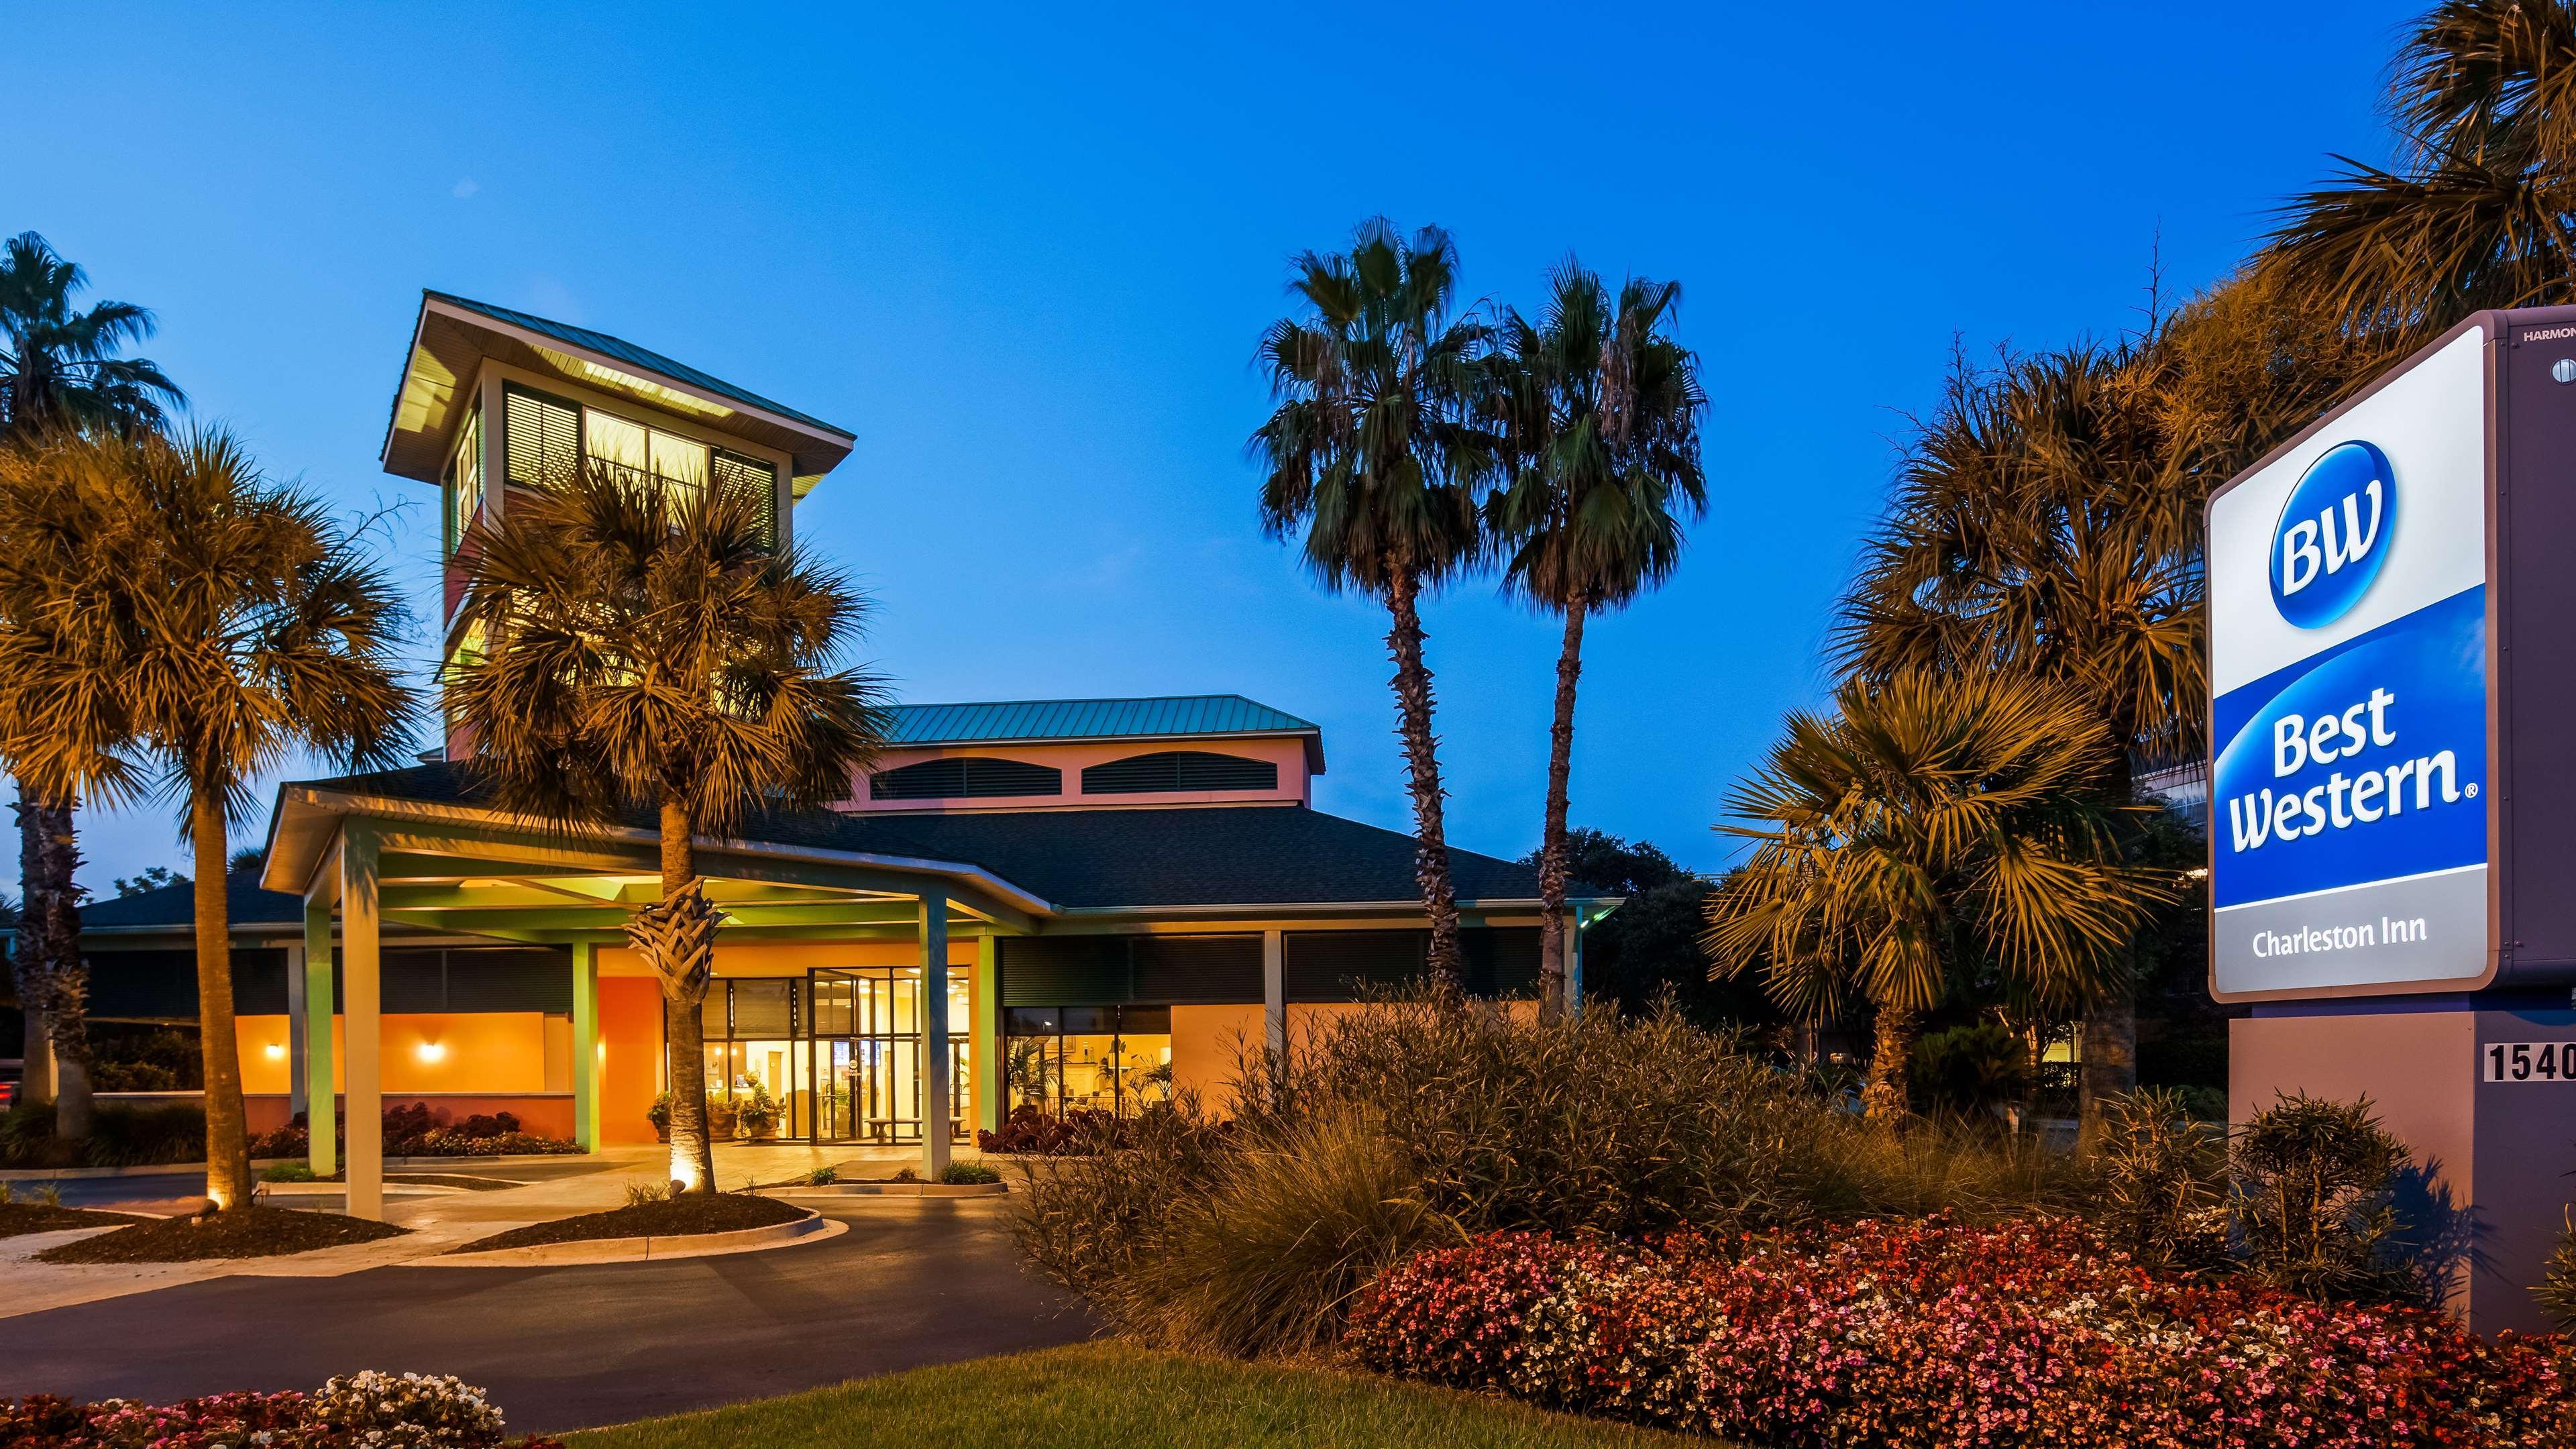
(2524, 1061)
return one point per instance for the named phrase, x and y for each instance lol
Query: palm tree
(1934, 823)
(59, 368)
(174, 624)
(1598, 416)
(644, 650)
(2043, 524)
(2479, 209)
(1375, 451)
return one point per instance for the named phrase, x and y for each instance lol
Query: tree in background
(1597, 412)
(175, 625)
(645, 649)
(1649, 948)
(59, 370)
(1376, 452)
(2479, 209)
(2042, 526)
(1933, 824)
(59, 367)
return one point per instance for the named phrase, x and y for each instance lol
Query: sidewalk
(438, 1220)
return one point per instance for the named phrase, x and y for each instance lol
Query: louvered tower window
(1179, 770)
(965, 778)
(541, 436)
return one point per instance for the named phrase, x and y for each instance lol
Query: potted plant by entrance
(720, 1117)
(659, 1114)
(755, 1117)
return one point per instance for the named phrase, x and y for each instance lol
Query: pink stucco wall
(1288, 754)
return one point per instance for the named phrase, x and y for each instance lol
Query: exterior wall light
(431, 1051)
(276, 1051)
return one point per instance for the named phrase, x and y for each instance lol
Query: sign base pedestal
(2495, 1160)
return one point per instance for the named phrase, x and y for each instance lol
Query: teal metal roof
(1092, 719)
(642, 358)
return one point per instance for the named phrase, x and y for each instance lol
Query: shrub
(1032, 1131)
(1623, 1125)
(964, 1173)
(1938, 1334)
(287, 1172)
(1969, 1070)
(826, 1176)
(2312, 1188)
(413, 1130)
(2557, 1288)
(1436, 1117)
(122, 1134)
(2163, 1176)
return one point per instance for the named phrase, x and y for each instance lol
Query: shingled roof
(1086, 859)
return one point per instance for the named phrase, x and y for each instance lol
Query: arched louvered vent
(966, 778)
(1179, 770)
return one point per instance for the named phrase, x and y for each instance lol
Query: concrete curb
(886, 1189)
(811, 1228)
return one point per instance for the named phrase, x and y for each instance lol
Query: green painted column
(988, 1044)
(321, 1087)
(585, 1045)
(932, 1073)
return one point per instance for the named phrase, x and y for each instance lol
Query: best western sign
(2392, 605)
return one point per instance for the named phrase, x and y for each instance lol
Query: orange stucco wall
(496, 1051)
(1207, 1042)
(630, 1057)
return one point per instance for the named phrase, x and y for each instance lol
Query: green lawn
(1110, 1394)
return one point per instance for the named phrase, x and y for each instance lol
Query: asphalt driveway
(915, 1281)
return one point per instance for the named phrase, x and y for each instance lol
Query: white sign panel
(2347, 602)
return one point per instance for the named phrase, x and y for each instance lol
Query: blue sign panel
(2364, 762)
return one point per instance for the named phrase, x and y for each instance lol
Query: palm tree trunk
(67, 994)
(2110, 1032)
(1422, 767)
(29, 964)
(227, 1134)
(1885, 1100)
(2110, 1066)
(676, 937)
(1552, 995)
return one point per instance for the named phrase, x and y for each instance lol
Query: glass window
(678, 459)
(612, 439)
(465, 477)
(1088, 1058)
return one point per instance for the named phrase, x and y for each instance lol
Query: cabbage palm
(1932, 825)
(174, 624)
(59, 368)
(642, 649)
(59, 365)
(2044, 524)
(2479, 208)
(1597, 411)
(1376, 452)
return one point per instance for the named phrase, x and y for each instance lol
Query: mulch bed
(19, 1218)
(697, 1212)
(244, 1232)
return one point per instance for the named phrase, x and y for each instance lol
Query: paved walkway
(439, 1218)
(914, 1281)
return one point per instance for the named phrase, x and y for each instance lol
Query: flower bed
(1933, 1334)
(374, 1410)
(414, 1131)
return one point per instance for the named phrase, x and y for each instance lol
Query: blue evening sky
(1025, 256)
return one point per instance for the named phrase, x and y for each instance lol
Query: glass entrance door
(868, 1081)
